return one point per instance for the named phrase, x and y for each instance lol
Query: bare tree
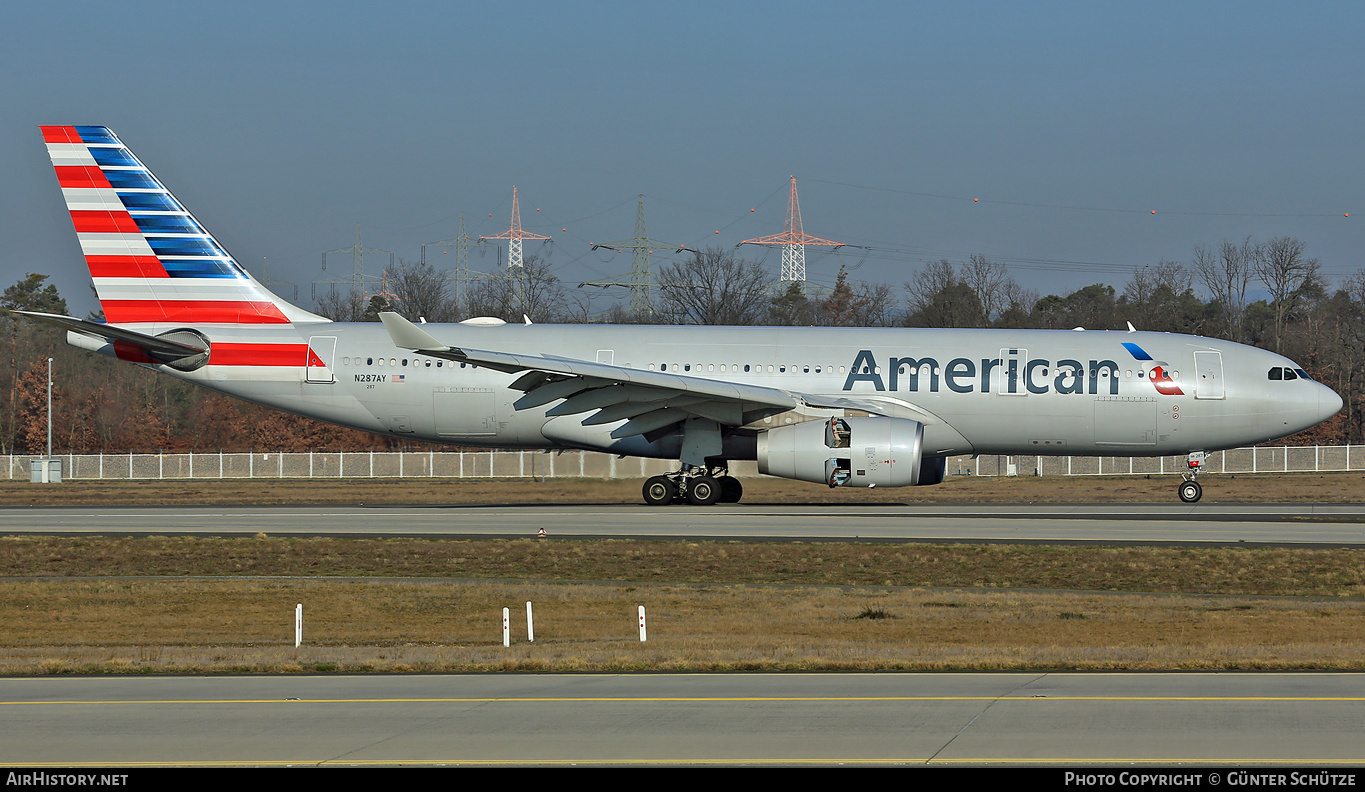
(1281, 265)
(530, 290)
(1226, 273)
(342, 306)
(714, 288)
(928, 283)
(989, 280)
(421, 291)
(1148, 294)
(877, 305)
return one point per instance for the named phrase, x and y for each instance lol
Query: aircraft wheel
(703, 491)
(730, 489)
(1190, 491)
(659, 491)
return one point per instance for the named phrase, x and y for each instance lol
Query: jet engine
(850, 452)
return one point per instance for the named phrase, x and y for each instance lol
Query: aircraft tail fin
(151, 260)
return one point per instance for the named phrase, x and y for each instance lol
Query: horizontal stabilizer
(184, 350)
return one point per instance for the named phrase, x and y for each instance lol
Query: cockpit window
(1302, 374)
(1276, 373)
(1289, 374)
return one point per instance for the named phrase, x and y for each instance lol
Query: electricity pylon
(358, 280)
(793, 242)
(515, 235)
(641, 280)
(462, 277)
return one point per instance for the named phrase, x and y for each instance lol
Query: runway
(789, 719)
(1281, 524)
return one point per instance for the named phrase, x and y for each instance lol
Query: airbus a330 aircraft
(837, 406)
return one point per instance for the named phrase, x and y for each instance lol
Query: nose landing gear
(1189, 490)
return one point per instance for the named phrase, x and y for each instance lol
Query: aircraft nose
(1329, 402)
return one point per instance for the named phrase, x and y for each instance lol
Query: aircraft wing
(648, 400)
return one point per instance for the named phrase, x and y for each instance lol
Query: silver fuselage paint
(1003, 391)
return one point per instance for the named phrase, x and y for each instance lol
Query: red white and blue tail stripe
(151, 261)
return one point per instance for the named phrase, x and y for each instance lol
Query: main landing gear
(1189, 490)
(695, 485)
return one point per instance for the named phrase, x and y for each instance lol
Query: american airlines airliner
(842, 407)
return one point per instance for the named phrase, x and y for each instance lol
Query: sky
(1042, 135)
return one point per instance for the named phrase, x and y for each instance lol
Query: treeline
(101, 405)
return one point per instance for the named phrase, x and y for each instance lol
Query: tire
(703, 491)
(659, 491)
(1190, 491)
(730, 489)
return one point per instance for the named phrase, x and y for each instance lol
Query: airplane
(843, 407)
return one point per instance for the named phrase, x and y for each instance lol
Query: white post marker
(506, 628)
(298, 625)
(642, 624)
(530, 625)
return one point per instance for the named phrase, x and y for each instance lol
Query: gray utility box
(53, 468)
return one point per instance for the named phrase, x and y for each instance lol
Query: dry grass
(1194, 570)
(1259, 488)
(193, 626)
(712, 605)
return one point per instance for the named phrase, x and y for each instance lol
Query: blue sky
(283, 125)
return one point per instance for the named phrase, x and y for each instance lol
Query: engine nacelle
(850, 452)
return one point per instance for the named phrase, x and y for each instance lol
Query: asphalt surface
(1316, 524)
(1133, 720)
(788, 719)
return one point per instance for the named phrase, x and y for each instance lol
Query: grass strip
(1256, 571)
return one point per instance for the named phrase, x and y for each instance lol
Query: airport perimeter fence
(1260, 459)
(586, 464)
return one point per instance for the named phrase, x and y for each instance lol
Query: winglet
(407, 335)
